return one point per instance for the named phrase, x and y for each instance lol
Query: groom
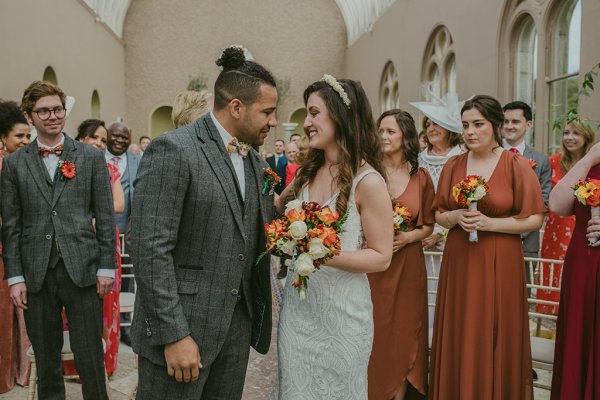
(197, 230)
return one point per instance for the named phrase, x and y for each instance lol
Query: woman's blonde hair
(189, 106)
(567, 161)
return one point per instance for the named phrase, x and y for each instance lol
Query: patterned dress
(325, 341)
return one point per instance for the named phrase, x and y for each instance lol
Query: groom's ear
(236, 107)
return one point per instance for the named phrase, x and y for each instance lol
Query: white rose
(294, 204)
(298, 230)
(478, 193)
(287, 247)
(304, 265)
(316, 248)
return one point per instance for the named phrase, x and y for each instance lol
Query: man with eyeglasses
(52, 191)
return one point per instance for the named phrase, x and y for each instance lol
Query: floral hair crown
(331, 81)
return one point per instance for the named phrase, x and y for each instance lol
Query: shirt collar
(62, 141)
(520, 146)
(110, 156)
(225, 136)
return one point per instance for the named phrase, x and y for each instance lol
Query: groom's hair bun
(240, 78)
(232, 57)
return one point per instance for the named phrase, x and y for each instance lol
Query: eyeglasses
(44, 113)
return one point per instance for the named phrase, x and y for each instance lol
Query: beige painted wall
(63, 34)
(402, 33)
(299, 40)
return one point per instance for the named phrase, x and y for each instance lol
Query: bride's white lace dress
(324, 341)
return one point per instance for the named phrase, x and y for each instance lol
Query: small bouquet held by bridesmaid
(402, 218)
(588, 194)
(468, 192)
(309, 234)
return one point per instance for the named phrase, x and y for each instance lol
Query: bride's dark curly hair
(355, 134)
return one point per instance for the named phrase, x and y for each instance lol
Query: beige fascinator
(444, 112)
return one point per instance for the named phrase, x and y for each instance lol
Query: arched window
(95, 105)
(50, 75)
(161, 122)
(525, 52)
(563, 71)
(439, 64)
(298, 117)
(389, 96)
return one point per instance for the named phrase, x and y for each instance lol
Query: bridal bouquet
(468, 192)
(402, 218)
(588, 194)
(309, 234)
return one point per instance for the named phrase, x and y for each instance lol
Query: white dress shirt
(119, 161)
(520, 147)
(236, 158)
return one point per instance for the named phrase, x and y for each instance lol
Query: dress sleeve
(427, 193)
(526, 188)
(443, 196)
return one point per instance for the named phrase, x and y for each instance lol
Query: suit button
(54, 212)
(148, 332)
(234, 292)
(241, 257)
(48, 237)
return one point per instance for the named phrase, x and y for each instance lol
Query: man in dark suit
(278, 162)
(197, 230)
(52, 191)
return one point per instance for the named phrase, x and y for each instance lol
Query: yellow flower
(583, 192)
(455, 192)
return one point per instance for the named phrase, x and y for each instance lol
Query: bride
(325, 340)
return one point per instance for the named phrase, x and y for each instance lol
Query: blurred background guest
(291, 153)
(400, 346)
(144, 142)
(278, 162)
(14, 342)
(135, 149)
(189, 106)
(576, 142)
(295, 137)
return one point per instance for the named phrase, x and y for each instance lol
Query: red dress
(480, 348)
(577, 353)
(400, 312)
(111, 327)
(557, 236)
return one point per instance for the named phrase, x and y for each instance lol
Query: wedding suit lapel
(258, 176)
(67, 154)
(38, 171)
(214, 151)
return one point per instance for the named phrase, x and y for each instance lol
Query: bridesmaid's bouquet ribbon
(309, 234)
(468, 192)
(402, 217)
(587, 193)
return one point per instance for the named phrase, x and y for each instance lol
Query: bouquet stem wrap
(473, 234)
(595, 214)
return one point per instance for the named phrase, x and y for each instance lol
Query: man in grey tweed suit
(53, 254)
(197, 229)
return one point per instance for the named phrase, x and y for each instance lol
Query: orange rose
(593, 199)
(329, 236)
(295, 215)
(328, 216)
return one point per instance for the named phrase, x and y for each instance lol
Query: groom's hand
(183, 360)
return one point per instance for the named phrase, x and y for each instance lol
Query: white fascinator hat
(444, 112)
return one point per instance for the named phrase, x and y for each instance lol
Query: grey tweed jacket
(36, 212)
(188, 245)
(531, 240)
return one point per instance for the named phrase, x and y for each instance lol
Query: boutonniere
(532, 163)
(271, 180)
(66, 170)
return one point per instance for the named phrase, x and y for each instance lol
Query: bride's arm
(375, 207)
(280, 199)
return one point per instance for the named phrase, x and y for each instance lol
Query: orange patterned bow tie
(45, 151)
(240, 147)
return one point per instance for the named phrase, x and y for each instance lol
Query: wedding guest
(144, 142)
(400, 346)
(190, 105)
(14, 342)
(518, 119)
(135, 149)
(576, 142)
(93, 132)
(295, 137)
(481, 347)
(325, 340)
(278, 163)
(291, 152)
(54, 256)
(197, 230)
(422, 140)
(576, 372)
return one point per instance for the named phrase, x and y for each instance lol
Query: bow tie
(241, 147)
(45, 151)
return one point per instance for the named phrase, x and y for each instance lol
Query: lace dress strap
(360, 176)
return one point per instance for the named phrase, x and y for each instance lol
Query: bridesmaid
(14, 342)
(399, 294)
(577, 352)
(481, 348)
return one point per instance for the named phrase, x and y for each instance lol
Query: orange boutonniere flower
(532, 163)
(271, 180)
(66, 169)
